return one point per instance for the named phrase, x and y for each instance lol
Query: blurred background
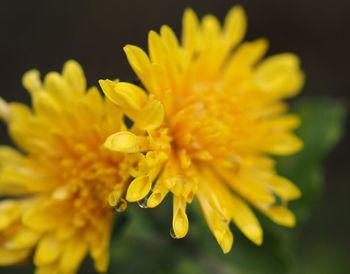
(43, 34)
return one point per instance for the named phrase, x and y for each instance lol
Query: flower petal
(180, 220)
(151, 116)
(235, 25)
(125, 141)
(74, 75)
(139, 188)
(31, 81)
(48, 250)
(246, 220)
(280, 215)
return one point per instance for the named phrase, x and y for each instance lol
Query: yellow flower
(58, 182)
(205, 123)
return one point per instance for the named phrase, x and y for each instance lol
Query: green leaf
(321, 129)
(144, 245)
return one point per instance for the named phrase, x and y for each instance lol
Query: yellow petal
(285, 122)
(74, 75)
(9, 212)
(74, 252)
(48, 269)
(107, 87)
(225, 239)
(247, 55)
(113, 198)
(210, 30)
(63, 192)
(185, 159)
(155, 199)
(189, 30)
(283, 144)
(65, 230)
(138, 59)
(180, 220)
(94, 102)
(10, 155)
(99, 242)
(5, 110)
(246, 220)
(101, 262)
(217, 223)
(31, 81)
(18, 181)
(10, 257)
(235, 25)
(20, 120)
(156, 47)
(48, 251)
(284, 188)
(251, 52)
(154, 158)
(284, 61)
(44, 104)
(280, 74)
(159, 191)
(280, 215)
(157, 196)
(41, 218)
(139, 188)
(127, 95)
(203, 155)
(253, 190)
(170, 39)
(125, 141)
(58, 88)
(113, 117)
(151, 116)
(23, 239)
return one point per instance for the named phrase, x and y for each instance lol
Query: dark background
(43, 34)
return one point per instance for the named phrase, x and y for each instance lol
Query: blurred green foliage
(322, 127)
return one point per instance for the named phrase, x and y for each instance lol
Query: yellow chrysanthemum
(58, 182)
(205, 122)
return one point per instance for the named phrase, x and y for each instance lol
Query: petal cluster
(205, 122)
(56, 184)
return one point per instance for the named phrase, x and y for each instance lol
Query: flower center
(201, 127)
(86, 178)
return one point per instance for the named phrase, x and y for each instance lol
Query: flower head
(55, 187)
(207, 118)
